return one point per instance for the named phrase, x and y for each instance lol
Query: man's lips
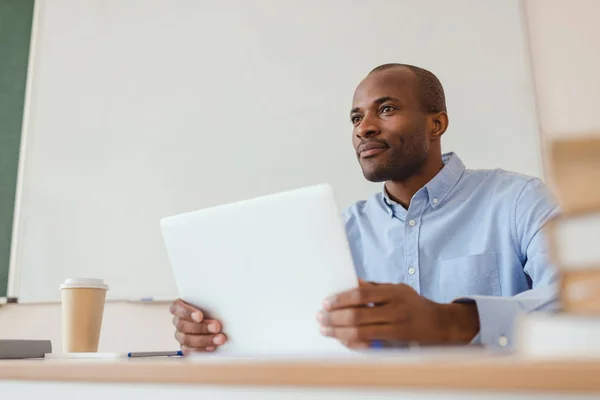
(372, 149)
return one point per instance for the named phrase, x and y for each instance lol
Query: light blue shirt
(468, 235)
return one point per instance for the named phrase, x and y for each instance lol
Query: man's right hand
(192, 331)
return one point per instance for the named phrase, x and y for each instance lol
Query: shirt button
(503, 341)
(411, 271)
(412, 222)
(435, 200)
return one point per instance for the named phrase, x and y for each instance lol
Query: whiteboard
(140, 109)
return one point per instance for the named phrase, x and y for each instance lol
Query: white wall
(564, 42)
(141, 109)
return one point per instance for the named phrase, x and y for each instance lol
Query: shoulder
(516, 186)
(498, 178)
(523, 193)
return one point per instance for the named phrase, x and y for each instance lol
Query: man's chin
(374, 175)
(376, 169)
(385, 174)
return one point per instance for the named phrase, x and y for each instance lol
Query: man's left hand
(395, 314)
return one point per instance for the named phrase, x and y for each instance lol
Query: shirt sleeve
(498, 315)
(533, 208)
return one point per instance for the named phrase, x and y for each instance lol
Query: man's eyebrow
(379, 101)
(382, 100)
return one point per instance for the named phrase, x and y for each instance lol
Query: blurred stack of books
(573, 331)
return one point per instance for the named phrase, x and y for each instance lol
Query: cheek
(400, 128)
(355, 140)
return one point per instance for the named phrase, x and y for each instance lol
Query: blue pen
(177, 353)
(377, 344)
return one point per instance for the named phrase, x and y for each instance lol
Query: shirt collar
(438, 188)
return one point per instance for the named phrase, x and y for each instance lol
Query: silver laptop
(263, 267)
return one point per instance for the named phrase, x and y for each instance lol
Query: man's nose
(367, 128)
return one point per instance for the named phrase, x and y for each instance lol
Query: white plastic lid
(80, 283)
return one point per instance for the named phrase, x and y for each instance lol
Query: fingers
(188, 350)
(200, 342)
(205, 327)
(388, 313)
(181, 309)
(365, 283)
(360, 296)
(356, 345)
(363, 334)
(375, 344)
(193, 332)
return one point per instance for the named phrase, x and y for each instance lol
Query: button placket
(412, 229)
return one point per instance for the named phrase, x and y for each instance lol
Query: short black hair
(431, 92)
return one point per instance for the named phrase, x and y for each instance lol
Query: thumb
(362, 282)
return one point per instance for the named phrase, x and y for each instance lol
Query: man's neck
(403, 191)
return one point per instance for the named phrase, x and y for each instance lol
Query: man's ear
(439, 124)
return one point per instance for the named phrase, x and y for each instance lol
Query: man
(445, 255)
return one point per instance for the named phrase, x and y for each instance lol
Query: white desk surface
(450, 371)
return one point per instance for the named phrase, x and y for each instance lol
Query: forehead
(399, 83)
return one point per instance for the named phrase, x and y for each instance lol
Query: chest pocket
(469, 276)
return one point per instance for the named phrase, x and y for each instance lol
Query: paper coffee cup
(82, 310)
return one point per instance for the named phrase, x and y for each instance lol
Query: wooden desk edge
(486, 375)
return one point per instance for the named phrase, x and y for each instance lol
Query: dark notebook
(14, 349)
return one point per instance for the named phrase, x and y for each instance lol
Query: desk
(473, 377)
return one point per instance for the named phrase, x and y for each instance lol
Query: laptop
(263, 267)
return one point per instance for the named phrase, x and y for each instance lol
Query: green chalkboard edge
(17, 227)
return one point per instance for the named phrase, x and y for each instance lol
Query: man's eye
(386, 109)
(355, 119)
